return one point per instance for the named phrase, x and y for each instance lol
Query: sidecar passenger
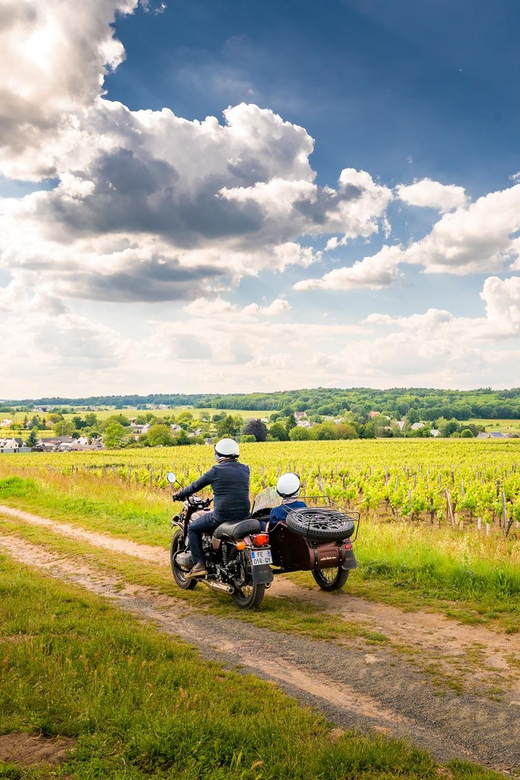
(288, 487)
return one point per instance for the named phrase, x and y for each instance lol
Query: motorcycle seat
(237, 529)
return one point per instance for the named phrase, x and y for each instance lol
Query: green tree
(91, 420)
(64, 428)
(278, 431)
(256, 428)
(324, 431)
(160, 436)
(115, 418)
(290, 423)
(229, 427)
(299, 433)
(182, 438)
(32, 438)
(114, 435)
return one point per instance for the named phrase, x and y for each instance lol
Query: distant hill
(425, 403)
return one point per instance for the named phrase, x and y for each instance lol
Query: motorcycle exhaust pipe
(221, 587)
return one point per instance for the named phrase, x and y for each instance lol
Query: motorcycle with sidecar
(242, 557)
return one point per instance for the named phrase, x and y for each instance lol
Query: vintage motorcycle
(237, 555)
(241, 557)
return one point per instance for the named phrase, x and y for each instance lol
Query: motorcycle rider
(230, 482)
(288, 487)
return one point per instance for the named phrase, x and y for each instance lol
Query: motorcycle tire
(331, 579)
(325, 525)
(247, 596)
(178, 575)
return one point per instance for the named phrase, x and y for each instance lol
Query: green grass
(143, 705)
(126, 511)
(469, 576)
(277, 614)
(504, 426)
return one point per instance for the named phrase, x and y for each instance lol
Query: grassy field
(138, 704)
(504, 426)
(102, 414)
(473, 576)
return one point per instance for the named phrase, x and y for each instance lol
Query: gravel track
(356, 686)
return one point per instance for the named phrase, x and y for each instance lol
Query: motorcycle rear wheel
(247, 594)
(331, 579)
(178, 575)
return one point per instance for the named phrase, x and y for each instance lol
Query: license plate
(261, 556)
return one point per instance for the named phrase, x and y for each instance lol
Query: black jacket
(230, 482)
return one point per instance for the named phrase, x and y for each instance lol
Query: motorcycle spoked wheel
(178, 575)
(247, 594)
(331, 579)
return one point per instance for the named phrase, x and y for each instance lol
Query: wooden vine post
(451, 516)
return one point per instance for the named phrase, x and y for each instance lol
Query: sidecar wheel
(178, 574)
(331, 579)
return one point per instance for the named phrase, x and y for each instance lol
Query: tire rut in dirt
(388, 695)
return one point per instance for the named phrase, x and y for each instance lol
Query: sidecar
(316, 538)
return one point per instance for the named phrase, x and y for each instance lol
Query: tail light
(259, 540)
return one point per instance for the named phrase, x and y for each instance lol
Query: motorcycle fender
(262, 574)
(349, 559)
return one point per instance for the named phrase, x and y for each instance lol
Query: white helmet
(288, 485)
(227, 448)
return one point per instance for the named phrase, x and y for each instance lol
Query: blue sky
(352, 219)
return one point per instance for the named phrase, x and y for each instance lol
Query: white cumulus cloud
(373, 273)
(432, 194)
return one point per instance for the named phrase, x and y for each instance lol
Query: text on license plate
(261, 556)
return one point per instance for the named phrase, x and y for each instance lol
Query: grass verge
(277, 614)
(143, 705)
(467, 576)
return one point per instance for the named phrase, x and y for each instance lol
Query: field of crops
(438, 481)
(132, 411)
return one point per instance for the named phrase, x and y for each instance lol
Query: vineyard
(458, 482)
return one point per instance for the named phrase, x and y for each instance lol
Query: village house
(138, 430)
(13, 445)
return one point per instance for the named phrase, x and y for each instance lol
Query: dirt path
(356, 686)
(476, 656)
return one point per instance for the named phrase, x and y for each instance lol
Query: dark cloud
(154, 280)
(137, 193)
(247, 172)
(318, 212)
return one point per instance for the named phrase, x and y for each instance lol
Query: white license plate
(261, 556)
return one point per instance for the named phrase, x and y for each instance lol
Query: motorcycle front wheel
(331, 579)
(178, 575)
(247, 594)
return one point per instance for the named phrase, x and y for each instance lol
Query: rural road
(385, 687)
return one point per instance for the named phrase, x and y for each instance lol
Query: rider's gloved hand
(176, 497)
